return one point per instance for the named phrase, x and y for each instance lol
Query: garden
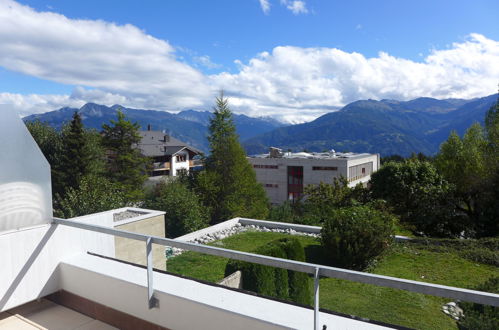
(441, 262)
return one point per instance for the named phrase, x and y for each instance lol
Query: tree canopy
(125, 164)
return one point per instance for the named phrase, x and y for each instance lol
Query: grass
(212, 268)
(410, 261)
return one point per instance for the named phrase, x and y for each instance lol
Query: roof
(314, 155)
(156, 143)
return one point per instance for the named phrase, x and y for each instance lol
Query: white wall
(186, 304)
(29, 259)
(176, 166)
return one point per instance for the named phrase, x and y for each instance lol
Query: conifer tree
(125, 165)
(74, 162)
(228, 185)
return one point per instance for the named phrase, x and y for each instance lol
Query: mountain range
(188, 126)
(386, 127)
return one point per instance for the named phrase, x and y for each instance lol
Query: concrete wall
(133, 250)
(278, 192)
(186, 304)
(234, 280)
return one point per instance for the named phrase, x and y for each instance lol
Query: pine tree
(125, 165)
(74, 162)
(228, 185)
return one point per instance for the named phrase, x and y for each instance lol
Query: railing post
(316, 299)
(152, 301)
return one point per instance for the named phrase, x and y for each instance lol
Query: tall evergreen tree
(126, 165)
(74, 159)
(228, 185)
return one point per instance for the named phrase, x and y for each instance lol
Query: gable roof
(156, 143)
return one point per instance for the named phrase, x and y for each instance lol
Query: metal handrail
(479, 297)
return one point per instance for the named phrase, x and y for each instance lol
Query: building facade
(169, 154)
(284, 175)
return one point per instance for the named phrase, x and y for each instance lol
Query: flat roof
(315, 155)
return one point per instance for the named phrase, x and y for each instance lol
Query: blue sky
(293, 60)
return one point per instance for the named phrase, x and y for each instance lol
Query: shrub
(352, 237)
(95, 194)
(420, 196)
(184, 212)
(275, 282)
(481, 317)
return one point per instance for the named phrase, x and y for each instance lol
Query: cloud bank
(109, 63)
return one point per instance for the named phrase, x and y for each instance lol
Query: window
(181, 158)
(324, 168)
(295, 182)
(271, 185)
(266, 166)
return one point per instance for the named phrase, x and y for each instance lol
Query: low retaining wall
(234, 280)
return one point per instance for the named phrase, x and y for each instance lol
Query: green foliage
(484, 250)
(76, 160)
(276, 282)
(352, 237)
(184, 212)
(481, 317)
(228, 185)
(50, 143)
(94, 194)
(420, 195)
(125, 164)
(284, 212)
(470, 164)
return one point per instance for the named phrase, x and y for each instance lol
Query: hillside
(386, 127)
(189, 126)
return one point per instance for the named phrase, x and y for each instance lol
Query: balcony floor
(45, 314)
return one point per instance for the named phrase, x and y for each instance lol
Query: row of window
(181, 158)
(271, 185)
(314, 168)
(324, 168)
(266, 166)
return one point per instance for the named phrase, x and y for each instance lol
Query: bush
(95, 194)
(352, 237)
(184, 212)
(481, 317)
(276, 282)
(420, 196)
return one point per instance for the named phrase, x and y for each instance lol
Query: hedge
(276, 282)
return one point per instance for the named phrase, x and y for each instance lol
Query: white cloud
(291, 81)
(124, 65)
(265, 4)
(206, 61)
(115, 58)
(295, 6)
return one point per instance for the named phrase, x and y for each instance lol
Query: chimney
(148, 127)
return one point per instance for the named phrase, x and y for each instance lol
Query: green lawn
(383, 304)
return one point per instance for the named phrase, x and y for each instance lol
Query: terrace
(76, 263)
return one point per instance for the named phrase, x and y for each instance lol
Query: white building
(284, 175)
(169, 154)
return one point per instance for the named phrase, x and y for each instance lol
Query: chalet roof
(156, 143)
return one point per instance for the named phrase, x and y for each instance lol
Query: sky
(291, 60)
